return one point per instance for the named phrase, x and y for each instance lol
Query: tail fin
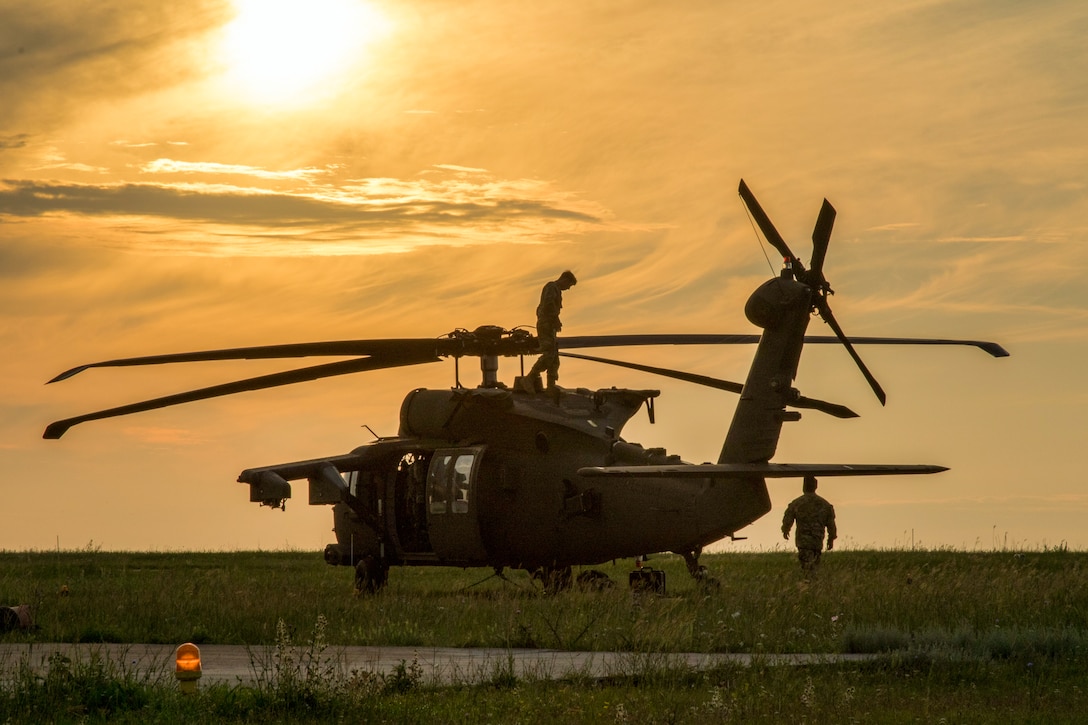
(781, 306)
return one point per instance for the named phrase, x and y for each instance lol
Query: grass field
(969, 637)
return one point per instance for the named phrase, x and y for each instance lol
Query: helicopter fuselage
(489, 477)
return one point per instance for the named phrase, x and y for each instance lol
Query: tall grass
(967, 637)
(995, 604)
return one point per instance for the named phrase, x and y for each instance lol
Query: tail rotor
(814, 276)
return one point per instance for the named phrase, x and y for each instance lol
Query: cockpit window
(449, 483)
(437, 489)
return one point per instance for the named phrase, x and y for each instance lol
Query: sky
(206, 174)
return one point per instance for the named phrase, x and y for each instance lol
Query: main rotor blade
(446, 346)
(821, 234)
(394, 347)
(569, 343)
(829, 318)
(839, 411)
(709, 382)
(991, 348)
(765, 225)
(315, 372)
(407, 346)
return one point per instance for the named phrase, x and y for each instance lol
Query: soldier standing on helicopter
(547, 326)
(813, 515)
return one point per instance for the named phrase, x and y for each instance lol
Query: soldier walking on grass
(813, 515)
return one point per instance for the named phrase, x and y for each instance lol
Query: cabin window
(462, 467)
(352, 481)
(449, 483)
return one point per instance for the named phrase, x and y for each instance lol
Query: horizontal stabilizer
(304, 469)
(765, 470)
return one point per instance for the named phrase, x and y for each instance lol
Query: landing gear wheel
(706, 583)
(593, 580)
(699, 573)
(370, 575)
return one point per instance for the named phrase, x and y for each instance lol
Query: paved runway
(238, 664)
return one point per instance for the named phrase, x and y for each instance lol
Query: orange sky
(212, 174)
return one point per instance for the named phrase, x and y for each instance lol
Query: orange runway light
(187, 667)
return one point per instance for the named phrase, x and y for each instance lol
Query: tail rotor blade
(765, 225)
(821, 234)
(834, 409)
(829, 318)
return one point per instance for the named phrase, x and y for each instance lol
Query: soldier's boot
(553, 387)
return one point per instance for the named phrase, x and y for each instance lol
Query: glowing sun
(282, 51)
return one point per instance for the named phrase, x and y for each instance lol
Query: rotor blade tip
(67, 374)
(55, 430)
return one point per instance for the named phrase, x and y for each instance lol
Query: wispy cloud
(463, 169)
(362, 216)
(133, 144)
(171, 166)
(81, 168)
(1018, 238)
(14, 141)
(893, 227)
(95, 50)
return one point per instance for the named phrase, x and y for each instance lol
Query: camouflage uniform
(813, 514)
(548, 326)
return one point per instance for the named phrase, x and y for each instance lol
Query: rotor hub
(771, 301)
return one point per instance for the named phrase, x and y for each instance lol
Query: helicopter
(523, 477)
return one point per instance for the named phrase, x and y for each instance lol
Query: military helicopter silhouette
(515, 477)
